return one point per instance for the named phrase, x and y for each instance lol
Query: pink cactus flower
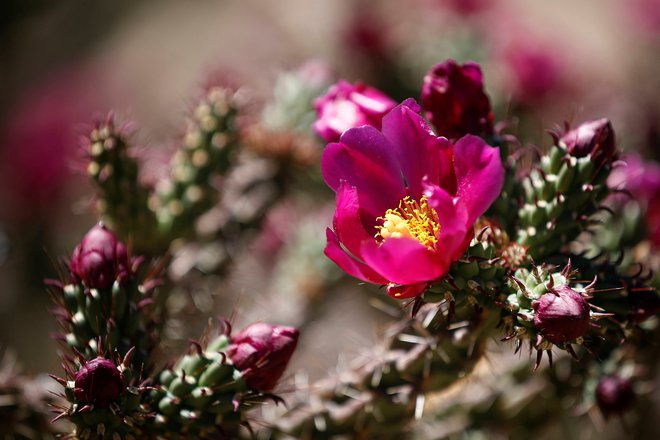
(407, 200)
(346, 106)
(262, 352)
(454, 100)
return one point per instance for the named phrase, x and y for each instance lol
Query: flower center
(413, 219)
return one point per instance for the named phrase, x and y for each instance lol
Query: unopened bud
(595, 138)
(262, 351)
(614, 395)
(98, 383)
(454, 100)
(562, 315)
(100, 259)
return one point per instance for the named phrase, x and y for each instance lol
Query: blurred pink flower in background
(40, 139)
(641, 180)
(646, 13)
(533, 68)
(346, 106)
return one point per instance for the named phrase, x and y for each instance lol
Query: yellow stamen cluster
(411, 219)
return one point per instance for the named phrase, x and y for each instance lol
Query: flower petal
(347, 263)
(479, 174)
(346, 222)
(406, 291)
(404, 261)
(365, 159)
(419, 152)
(455, 230)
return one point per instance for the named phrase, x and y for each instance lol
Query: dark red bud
(100, 259)
(594, 137)
(454, 101)
(98, 383)
(262, 352)
(561, 317)
(614, 395)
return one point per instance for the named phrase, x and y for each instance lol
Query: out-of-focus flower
(534, 71)
(346, 106)
(98, 383)
(454, 100)
(407, 200)
(100, 259)
(561, 316)
(39, 140)
(262, 352)
(595, 138)
(646, 13)
(641, 180)
(614, 395)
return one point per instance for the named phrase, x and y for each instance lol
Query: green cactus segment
(384, 390)
(122, 198)
(202, 396)
(208, 144)
(559, 196)
(474, 276)
(117, 316)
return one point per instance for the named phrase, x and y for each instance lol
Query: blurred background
(65, 64)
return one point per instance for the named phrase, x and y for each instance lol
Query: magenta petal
(419, 152)
(364, 159)
(404, 261)
(455, 232)
(346, 222)
(479, 174)
(348, 264)
(406, 291)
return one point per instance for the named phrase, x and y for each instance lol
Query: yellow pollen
(411, 219)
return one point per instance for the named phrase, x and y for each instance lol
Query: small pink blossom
(407, 200)
(346, 106)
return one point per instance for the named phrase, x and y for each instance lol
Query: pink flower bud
(346, 106)
(562, 316)
(100, 259)
(98, 383)
(454, 100)
(594, 137)
(262, 351)
(614, 395)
